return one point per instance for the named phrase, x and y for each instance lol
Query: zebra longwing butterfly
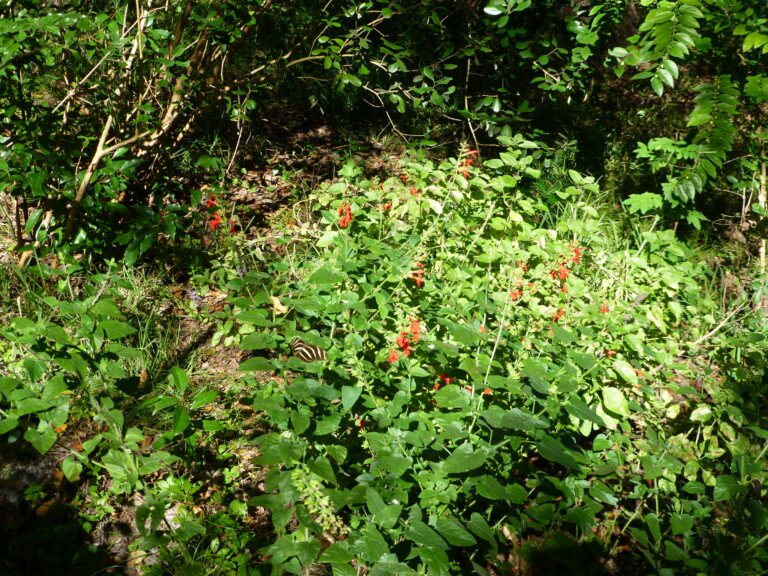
(307, 352)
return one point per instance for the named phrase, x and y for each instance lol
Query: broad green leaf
(203, 399)
(452, 530)
(726, 488)
(681, 524)
(577, 408)
(463, 459)
(179, 378)
(418, 532)
(41, 439)
(71, 469)
(349, 395)
(258, 341)
(257, 364)
(615, 401)
(115, 329)
(553, 450)
(625, 370)
(702, 413)
(181, 420)
(480, 528)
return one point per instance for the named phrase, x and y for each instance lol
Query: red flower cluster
(418, 274)
(413, 191)
(558, 314)
(604, 308)
(345, 215)
(215, 222)
(467, 162)
(404, 341)
(564, 269)
(444, 380)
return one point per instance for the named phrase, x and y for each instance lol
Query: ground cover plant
(520, 377)
(499, 366)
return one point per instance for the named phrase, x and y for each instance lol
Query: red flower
(345, 214)
(465, 173)
(413, 191)
(211, 202)
(418, 274)
(563, 289)
(393, 357)
(515, 294)
(404, 343)
(404, 178)
(576, 258)
(522, 265)
(561, 273)
(604, 308)
(215, 222)
(558, 314)
(445, 379)
(483, 329)
(487, 392)
(386, 206)
(415, 330)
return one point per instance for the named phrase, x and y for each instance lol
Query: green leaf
(203, 399)
(615, 401)
(418, 532)
(58, 335)
(480, 528)
(602, 493)
(41, 439)
(181, 420)
(257, 364)
(553, 450)
(657, 86)
(681, 524)
(115, 329)
(179, 378)
(701, 414)
(456, 535)
(625, 370)
(71, 469)
(349, 396)
(258, 341)
(463, 459)
(726, 488)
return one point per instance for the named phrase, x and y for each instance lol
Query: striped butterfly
(307, 352)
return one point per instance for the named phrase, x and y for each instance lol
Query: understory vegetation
(383, 288)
